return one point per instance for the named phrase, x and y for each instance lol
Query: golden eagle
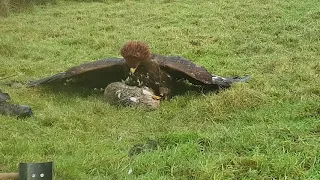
(140, 68)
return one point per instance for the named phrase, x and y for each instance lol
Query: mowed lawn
(268, 128)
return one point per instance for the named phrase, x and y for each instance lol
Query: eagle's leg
(164, 92)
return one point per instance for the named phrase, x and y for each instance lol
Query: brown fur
(120, 94)
(135, 52)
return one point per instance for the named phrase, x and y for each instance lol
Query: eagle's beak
(132, 70)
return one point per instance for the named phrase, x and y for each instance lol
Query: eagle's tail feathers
(56, 77)
(225, 82)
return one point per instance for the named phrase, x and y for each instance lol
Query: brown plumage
(134, 52)
(139, 68)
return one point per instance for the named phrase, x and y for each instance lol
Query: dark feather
(97, 74)
(181, 68)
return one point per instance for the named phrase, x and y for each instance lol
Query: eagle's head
(135, 52)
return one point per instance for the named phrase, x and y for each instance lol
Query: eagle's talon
(156, 97)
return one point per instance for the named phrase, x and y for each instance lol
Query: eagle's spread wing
(96, 74)
(181, 68)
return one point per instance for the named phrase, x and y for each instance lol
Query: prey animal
(120, 94)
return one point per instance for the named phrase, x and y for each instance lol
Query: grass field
(267, 128)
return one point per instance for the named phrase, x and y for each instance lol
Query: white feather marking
(118, 93)
(214, 77)
(133, 99)
(146, 92)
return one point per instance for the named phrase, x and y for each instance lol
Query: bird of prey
(139, 67)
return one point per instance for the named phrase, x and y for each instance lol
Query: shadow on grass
(170, 141)
(70, 91)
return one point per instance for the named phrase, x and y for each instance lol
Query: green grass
(7, 7)
(267, 128)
